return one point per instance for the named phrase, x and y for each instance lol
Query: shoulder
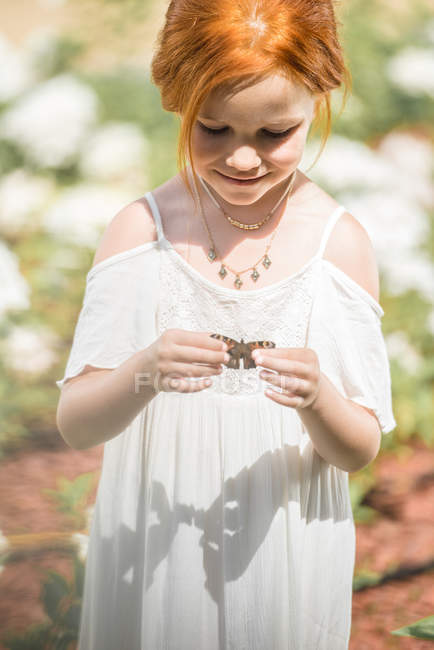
(349, 247)
(132, 226)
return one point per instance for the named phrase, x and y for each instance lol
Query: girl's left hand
(298, 374)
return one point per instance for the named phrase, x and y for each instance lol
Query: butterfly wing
(233, 350)
(254, 345)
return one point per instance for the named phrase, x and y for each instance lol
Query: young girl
(223, 518)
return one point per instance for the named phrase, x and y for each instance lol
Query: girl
(223, 518)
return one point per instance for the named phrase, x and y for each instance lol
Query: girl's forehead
(276, 97)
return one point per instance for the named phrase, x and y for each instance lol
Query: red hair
(209, 44)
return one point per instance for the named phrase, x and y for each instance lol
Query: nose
(244, 158)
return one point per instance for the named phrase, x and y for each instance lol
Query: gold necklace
(266, 261)
(239, 224)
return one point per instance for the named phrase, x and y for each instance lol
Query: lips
(235, 178)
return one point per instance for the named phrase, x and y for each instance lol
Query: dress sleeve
(117, 317)
(346, 334)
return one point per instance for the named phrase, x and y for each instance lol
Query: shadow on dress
(239, 535)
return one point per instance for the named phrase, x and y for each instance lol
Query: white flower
(29, 351)
(21, 197)
(347, 164)
(82, 544)
(115, 150)
(412, 158)
(396, 227)
(14, 290)
(16, 74)
(41, 48)
(412, 271)
(51, 122)
(400, 349)
(82, 212)
(412, 70)
(90, 510)
(394, 223)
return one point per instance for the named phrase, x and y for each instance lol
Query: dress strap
(326, 234)
(328, 228)
(156, 214)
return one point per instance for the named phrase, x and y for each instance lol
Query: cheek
(203, 146)
(290, 151)
(286, 154)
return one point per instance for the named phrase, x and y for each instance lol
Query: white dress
(217, 526)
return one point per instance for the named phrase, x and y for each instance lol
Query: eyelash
(270, 134)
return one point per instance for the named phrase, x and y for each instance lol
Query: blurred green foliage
(372, 33)
(61, 601)
(421, 629)
(128, 95)
(71, 497)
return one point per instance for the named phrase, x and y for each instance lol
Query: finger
(295, 354)
(200, 340)
(195, 369)
(218, 343)
(282, 366)
(292, 384)
(182, 385)
(294, 401)
(200, 355)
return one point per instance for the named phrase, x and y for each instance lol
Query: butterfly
(240, 350)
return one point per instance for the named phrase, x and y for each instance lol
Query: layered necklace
(265, 258)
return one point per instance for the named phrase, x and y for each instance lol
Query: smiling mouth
(252, 178)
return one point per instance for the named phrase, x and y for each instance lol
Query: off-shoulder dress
(217, 525)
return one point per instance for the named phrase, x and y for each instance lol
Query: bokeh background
(82, 133)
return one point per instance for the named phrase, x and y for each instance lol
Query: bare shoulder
(132, 226)
(350, 248)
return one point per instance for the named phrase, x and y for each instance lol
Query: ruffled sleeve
(345, 332)
(118, 315)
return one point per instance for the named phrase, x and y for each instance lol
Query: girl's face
(259, 133)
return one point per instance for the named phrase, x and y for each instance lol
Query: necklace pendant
(266, 261)
(255, 275)
(211, 255)
(222, 272)
(238, 282)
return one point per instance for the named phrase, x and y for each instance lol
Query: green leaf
(421, 629)
(365, 578)
(71, 496)
(35, 638)
(72, 617)
(52, 592)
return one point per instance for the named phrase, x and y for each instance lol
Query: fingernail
(227, 357)
(258, 358)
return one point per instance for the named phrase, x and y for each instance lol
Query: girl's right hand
(179, 353)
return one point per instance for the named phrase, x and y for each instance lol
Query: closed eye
(271, 134)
